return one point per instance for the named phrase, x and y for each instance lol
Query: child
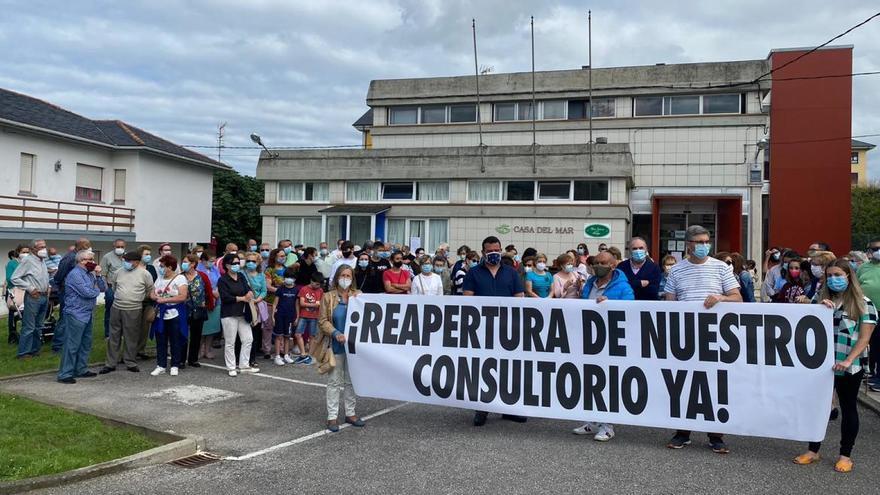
(284, 308)
(309, 303)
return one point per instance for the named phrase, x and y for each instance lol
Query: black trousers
(257, 332)
(847, 387)
(874, 354)
(195, 340)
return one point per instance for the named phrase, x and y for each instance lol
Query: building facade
(673, 145)
(859, 162)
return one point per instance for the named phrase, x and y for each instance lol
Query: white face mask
(817, 271)
(119, 251)
(43, 253)
(541, 266)
(344, 283)
(22, 256)
(876, 255)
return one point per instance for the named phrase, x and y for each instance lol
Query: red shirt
(311, 296)
(399, 278)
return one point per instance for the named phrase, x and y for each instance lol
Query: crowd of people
(288, 303)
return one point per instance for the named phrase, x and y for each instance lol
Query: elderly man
(133, 287)
(32, 276)
(110, 264)
(82, 287)
(642, 273)
(64, 266)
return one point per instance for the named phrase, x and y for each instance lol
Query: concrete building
(673, 145)
(859, 161)
(66, 176)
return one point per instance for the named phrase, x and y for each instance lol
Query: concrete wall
(172, 201)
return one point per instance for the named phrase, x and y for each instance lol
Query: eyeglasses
(874, 249)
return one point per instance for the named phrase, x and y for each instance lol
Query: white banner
(748, 369)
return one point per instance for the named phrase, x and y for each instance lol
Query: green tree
(865, 215)
(236, 208)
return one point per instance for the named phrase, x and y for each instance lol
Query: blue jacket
(650, 272)
(617, 289)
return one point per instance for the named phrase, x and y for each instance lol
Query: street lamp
(258, 141)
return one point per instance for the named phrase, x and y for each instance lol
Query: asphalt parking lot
(270, 429)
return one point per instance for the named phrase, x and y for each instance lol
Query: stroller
(47, 331)
(14, 316)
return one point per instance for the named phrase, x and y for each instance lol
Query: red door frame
(728, 236)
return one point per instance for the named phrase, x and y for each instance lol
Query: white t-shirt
(427, 285)
(165, 288)
(694, 282)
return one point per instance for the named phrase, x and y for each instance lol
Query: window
(524, 111)
(721, 103)
(681, 105)
(397, 190)
(554, 190)
(438, 233)
(404, 115)
(317, 191)
(853, 157)
(435, 114)
(300, 230)
(591, 190)
(463, 113)
(430, 233)
(520, 190)
(88, 182)
(26, 173)
(505, 111)
(648, 105)
(395, 231)
(119, 186)
(290, 191)
(603, 107)
(554, 109)
(361, 191)
(433, 191)
(303, 191)
(484, 190)
(854, 178)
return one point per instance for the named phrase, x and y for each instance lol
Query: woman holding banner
(331, 323)
(854, 318)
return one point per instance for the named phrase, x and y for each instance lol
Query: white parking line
(264, 375)
(311, 436)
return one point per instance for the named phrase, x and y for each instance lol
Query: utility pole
(221, 134)
(590, 77)
(477, 78)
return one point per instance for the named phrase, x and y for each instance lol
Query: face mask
(516, 258)
(837, 283)
(344, 283)
(289, 282)
(184, 266)
(397, 264)
(580, 250)
(234, 268)
(795, 273)
(324, 252)
(199, 254)
(119, 251)
(817, 271)
(569, 268)
(264, 254)
(541, 266)
(601, 271)
(161, 271)
(426, 268)
(438, 269)
(785, 266)
(146, 258)
(493, 258)
(90, 266)
(42, 253)
(702, 250)
(775, 256)
(127, 266)
(252, 248)
(875, 255)
(462, 257)
(384, 254)
(853, 265)
(363, 263)
(639, 254)
(280, 271)
(165, 253)
(22, 256)
(251, 265)
(346, 253)
(472, 264)
(527, 269)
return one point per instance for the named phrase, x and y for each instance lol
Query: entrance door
(416, 231)
(360, 229)
(673, 227)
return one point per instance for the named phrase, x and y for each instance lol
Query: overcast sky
(297, 72)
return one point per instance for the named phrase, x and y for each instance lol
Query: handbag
(320, 350)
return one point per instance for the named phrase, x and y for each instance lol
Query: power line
(281, 148)
(869, 19)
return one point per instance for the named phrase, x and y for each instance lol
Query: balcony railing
(31, 213)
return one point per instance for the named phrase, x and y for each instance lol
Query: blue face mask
(384, 254)
(472, 264)
(251, 265)
(639, 254)
(853, 265)
(438, 269)
(161, 271)
(363, 263)
(264, 254)
(426, 268)
(837, 283)
(785, 267)
(702, 250)
(146, 258)
(289, 282)
(235, 268)
(252, 248)
(287, 250)
(580, 250)
(516, 258)
(493, 258)
(184, 267)
(127, 266)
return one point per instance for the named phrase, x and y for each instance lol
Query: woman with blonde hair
(855, 317)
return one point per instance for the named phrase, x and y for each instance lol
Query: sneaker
(718, 445)
(287, 359)
(606, 432)
(252, 369)
(174, 371)
(158, 371)
(233, 373)
(678, 442)
(106, 369)
(280, 361)
(586, 429)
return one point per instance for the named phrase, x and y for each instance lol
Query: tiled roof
(861, 145)
(30, 111)
(366, 120)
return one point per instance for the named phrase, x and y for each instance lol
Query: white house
(65, 176)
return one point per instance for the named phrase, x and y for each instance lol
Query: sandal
(807, 459)
(843, 465)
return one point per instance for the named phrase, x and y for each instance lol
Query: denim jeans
(108, 303)
(77, 347)
(32, 324)
(171, 334)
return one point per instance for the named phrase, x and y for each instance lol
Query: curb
(159, 455)
(38, 373)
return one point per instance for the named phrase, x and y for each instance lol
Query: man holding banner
(492, 278)
(700, 277)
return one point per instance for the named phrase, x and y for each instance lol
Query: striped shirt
(694, 282)
(846, 334)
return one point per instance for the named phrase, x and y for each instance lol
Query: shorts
(307, 325)
(282, 325)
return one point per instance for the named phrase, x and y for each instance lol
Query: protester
(111, 263)
(607, 283)
(265, 251)
(641, 272)
(368, 278)
(491, 278)
(869, 281)
(396, 280)
(258, 284)
(793, 282)
(773, 281)
(133, 287)
(31, 276)
(583, 254)
(15, 257)
(427, 283)
(82, 286)
(211, 327)
(231, 248)
(325, 260)
(472, 259)
(667, 263)
(235, 294)
(284, 310)
(64, 266)
(334, 306)
(746, 283)
(700, 278)
(602, 247)
(441, 268)
(307, 319)
(567, 282)
(856, 259)
(855, 317)
(199, 303)
(348, 258)
(149, 312)
(170, 326)
(539, 280)
(305, 267)
(615, 251)
(460, 261)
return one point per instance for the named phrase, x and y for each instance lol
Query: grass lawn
(36, 439)
(48, 360)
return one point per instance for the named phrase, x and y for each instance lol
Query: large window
(554, 190)
(357, 191)
(493, 191)
(687, 105)
(26, 173)
(427, 233)
(119, 186)
(433, 191)
(505, 111)
(590, 190)
(462, 113)
(303, 191)
(397, 190)
(403, 115)
(432, 114)
(553, 110)
(520, 190)
(648, 105)
(721, 103)
(601, 108)
(484, 190)
(300, 230)
(88, 182)
(681, 105)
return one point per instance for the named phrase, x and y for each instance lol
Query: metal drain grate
(197, 460)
